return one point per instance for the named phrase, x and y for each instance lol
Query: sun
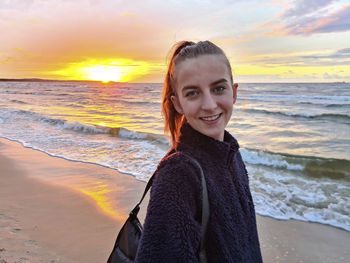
(104, 73)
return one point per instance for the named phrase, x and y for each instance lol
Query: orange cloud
(49, 40)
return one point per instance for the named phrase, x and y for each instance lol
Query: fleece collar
(204, 146)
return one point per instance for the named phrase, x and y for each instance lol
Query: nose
(208, 102)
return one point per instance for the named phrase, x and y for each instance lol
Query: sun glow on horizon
(104, 73)
(117, 70)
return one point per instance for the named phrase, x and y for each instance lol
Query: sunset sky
(126, 40)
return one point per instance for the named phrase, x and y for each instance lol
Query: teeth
(211, 118)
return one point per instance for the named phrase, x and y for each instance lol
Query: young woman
(198, 98)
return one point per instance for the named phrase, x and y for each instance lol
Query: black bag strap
(136, 209)
(205, 215)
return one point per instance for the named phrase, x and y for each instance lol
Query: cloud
(279, 78)
(327, 75)
(337, 22)
(15, 4)
(302, 7)
(315, 59)
(309, 17)
(6, 60)
(339, 57)
(285, 78)
(343, 51)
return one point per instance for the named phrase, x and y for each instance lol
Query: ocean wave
(139, 102)
(284, 195)
(333, 116)
(18, 101)
(334, 105)
(20, 92)
(8, 92)
(310, 166)
(298, 98)
(120, 132)
(128, 134)
(326, 104)
(270, 159)
(132, 102)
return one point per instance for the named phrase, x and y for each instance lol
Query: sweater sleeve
(171, 230)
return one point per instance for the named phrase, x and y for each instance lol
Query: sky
(128, 40)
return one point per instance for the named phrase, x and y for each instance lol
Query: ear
(177, 104)
(235, 87)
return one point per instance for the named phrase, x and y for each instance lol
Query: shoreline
(41, 221)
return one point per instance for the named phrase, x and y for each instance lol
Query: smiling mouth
(211, 118)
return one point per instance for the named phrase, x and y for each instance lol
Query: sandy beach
(41, 221)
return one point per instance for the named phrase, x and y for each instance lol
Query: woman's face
(205, 94)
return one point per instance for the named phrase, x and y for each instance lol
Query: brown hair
(181, 51)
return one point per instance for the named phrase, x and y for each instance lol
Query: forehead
(202, 70)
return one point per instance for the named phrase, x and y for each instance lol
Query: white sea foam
(284, 195)
(124, 133)
(78, 127)
(267, 159)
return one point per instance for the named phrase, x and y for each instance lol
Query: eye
(191, 93)
(219, 89)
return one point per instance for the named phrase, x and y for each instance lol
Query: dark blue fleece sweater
(172, 228)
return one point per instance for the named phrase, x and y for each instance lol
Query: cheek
(190, 108)
(226, 103)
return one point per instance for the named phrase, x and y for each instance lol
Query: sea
(294, 138)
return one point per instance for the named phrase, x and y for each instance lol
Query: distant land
(45, 80)
(57, 80)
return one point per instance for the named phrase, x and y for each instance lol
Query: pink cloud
(307, 18)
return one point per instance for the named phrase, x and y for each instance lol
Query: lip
(211, 119)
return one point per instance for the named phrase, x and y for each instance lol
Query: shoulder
(178, 160)
(239, 159)
(241, 167)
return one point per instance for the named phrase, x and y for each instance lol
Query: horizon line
(113, 82)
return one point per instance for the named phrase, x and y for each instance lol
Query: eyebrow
(212, 84)
(218, 81)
